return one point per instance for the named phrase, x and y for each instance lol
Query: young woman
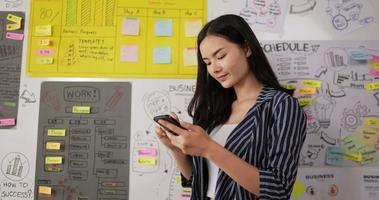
(247, 130)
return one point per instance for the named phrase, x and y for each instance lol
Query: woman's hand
(192, 140)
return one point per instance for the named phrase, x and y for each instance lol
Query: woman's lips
(222, 77)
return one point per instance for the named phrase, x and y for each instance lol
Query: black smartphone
(169, 119)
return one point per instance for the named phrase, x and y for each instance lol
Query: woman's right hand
(162, 136)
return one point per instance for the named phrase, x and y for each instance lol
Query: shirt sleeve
(287, 134)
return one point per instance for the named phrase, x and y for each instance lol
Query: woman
(247, 130)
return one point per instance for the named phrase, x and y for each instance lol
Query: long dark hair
(211, 104)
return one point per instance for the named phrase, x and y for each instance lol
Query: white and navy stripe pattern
(270, 137)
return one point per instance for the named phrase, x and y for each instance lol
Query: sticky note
(178, 180)
(353, 156)
(53, 145)
(163, 27)
(45, 190)
(192, 28)
(42, 52)
(14, 36)
(190, 57)
(45, 60)
(81, 109)
(298, 189)
(147, 152)
(130, 26)
(14, 18)
(374, 57)
(162, 55)
(53, 160)
(43, 30)
(8, 122)
(44, 42)
(129, 53)
(305, 101)
(13, 27)
(374, 64)
(369, 135)
(288, 86)
(334, 156)
(371, 121)
(9, 104)
(372, 86)
(360, 55)
(147, 160)
(350, 142)
(374, 72)
(309, 91)
(56, 132)
(311, 83)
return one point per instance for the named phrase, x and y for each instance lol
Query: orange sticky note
(302, 91)
(53, 145)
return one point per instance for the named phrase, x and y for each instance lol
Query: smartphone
(169, 119)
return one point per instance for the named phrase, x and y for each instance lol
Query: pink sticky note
(374, 72)
(130, 26)
(375, 58)
(7, 122)
(14, 36)
(41, 52)
(147, 152)
(129, 53)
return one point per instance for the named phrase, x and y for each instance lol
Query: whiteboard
(147, 183)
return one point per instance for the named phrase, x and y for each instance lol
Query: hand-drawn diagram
(263, 15)
(348, 15)
(15, 166)
(151, 160)
(336, 96)
(10, 66)
(84, 141)
(303, 7)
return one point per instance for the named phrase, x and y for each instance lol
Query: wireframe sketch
(348, 15)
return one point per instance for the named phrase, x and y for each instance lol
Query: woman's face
(226, 61)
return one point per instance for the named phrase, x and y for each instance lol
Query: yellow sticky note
(190, 57)
(178, 180)
(372, 86)
(288, 86)
(12, 27)
(305, 101)
(43, 30)
(298, 189)
(302, 91)
(44, 42)
(56, 132)
(369, 135)
(53, 160)
(53, 145)
(45, 61)
(192, 28)
(353, 156)
(311, 83)
(14, 18)
(45, 190)
(147, 161)
(371, 122)
(81, 109)
(374, 64)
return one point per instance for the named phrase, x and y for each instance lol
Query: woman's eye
(221, 57)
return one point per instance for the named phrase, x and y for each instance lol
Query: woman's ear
(247, 50)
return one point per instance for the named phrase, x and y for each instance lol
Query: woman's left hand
(193, 141)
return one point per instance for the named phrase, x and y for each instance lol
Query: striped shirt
(269, 137)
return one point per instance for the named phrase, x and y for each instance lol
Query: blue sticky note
(162, 55)
(334, 156)
(163, 27)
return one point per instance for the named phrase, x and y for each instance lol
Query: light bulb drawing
(323, 106)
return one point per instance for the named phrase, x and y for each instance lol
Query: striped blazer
(270, 137)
